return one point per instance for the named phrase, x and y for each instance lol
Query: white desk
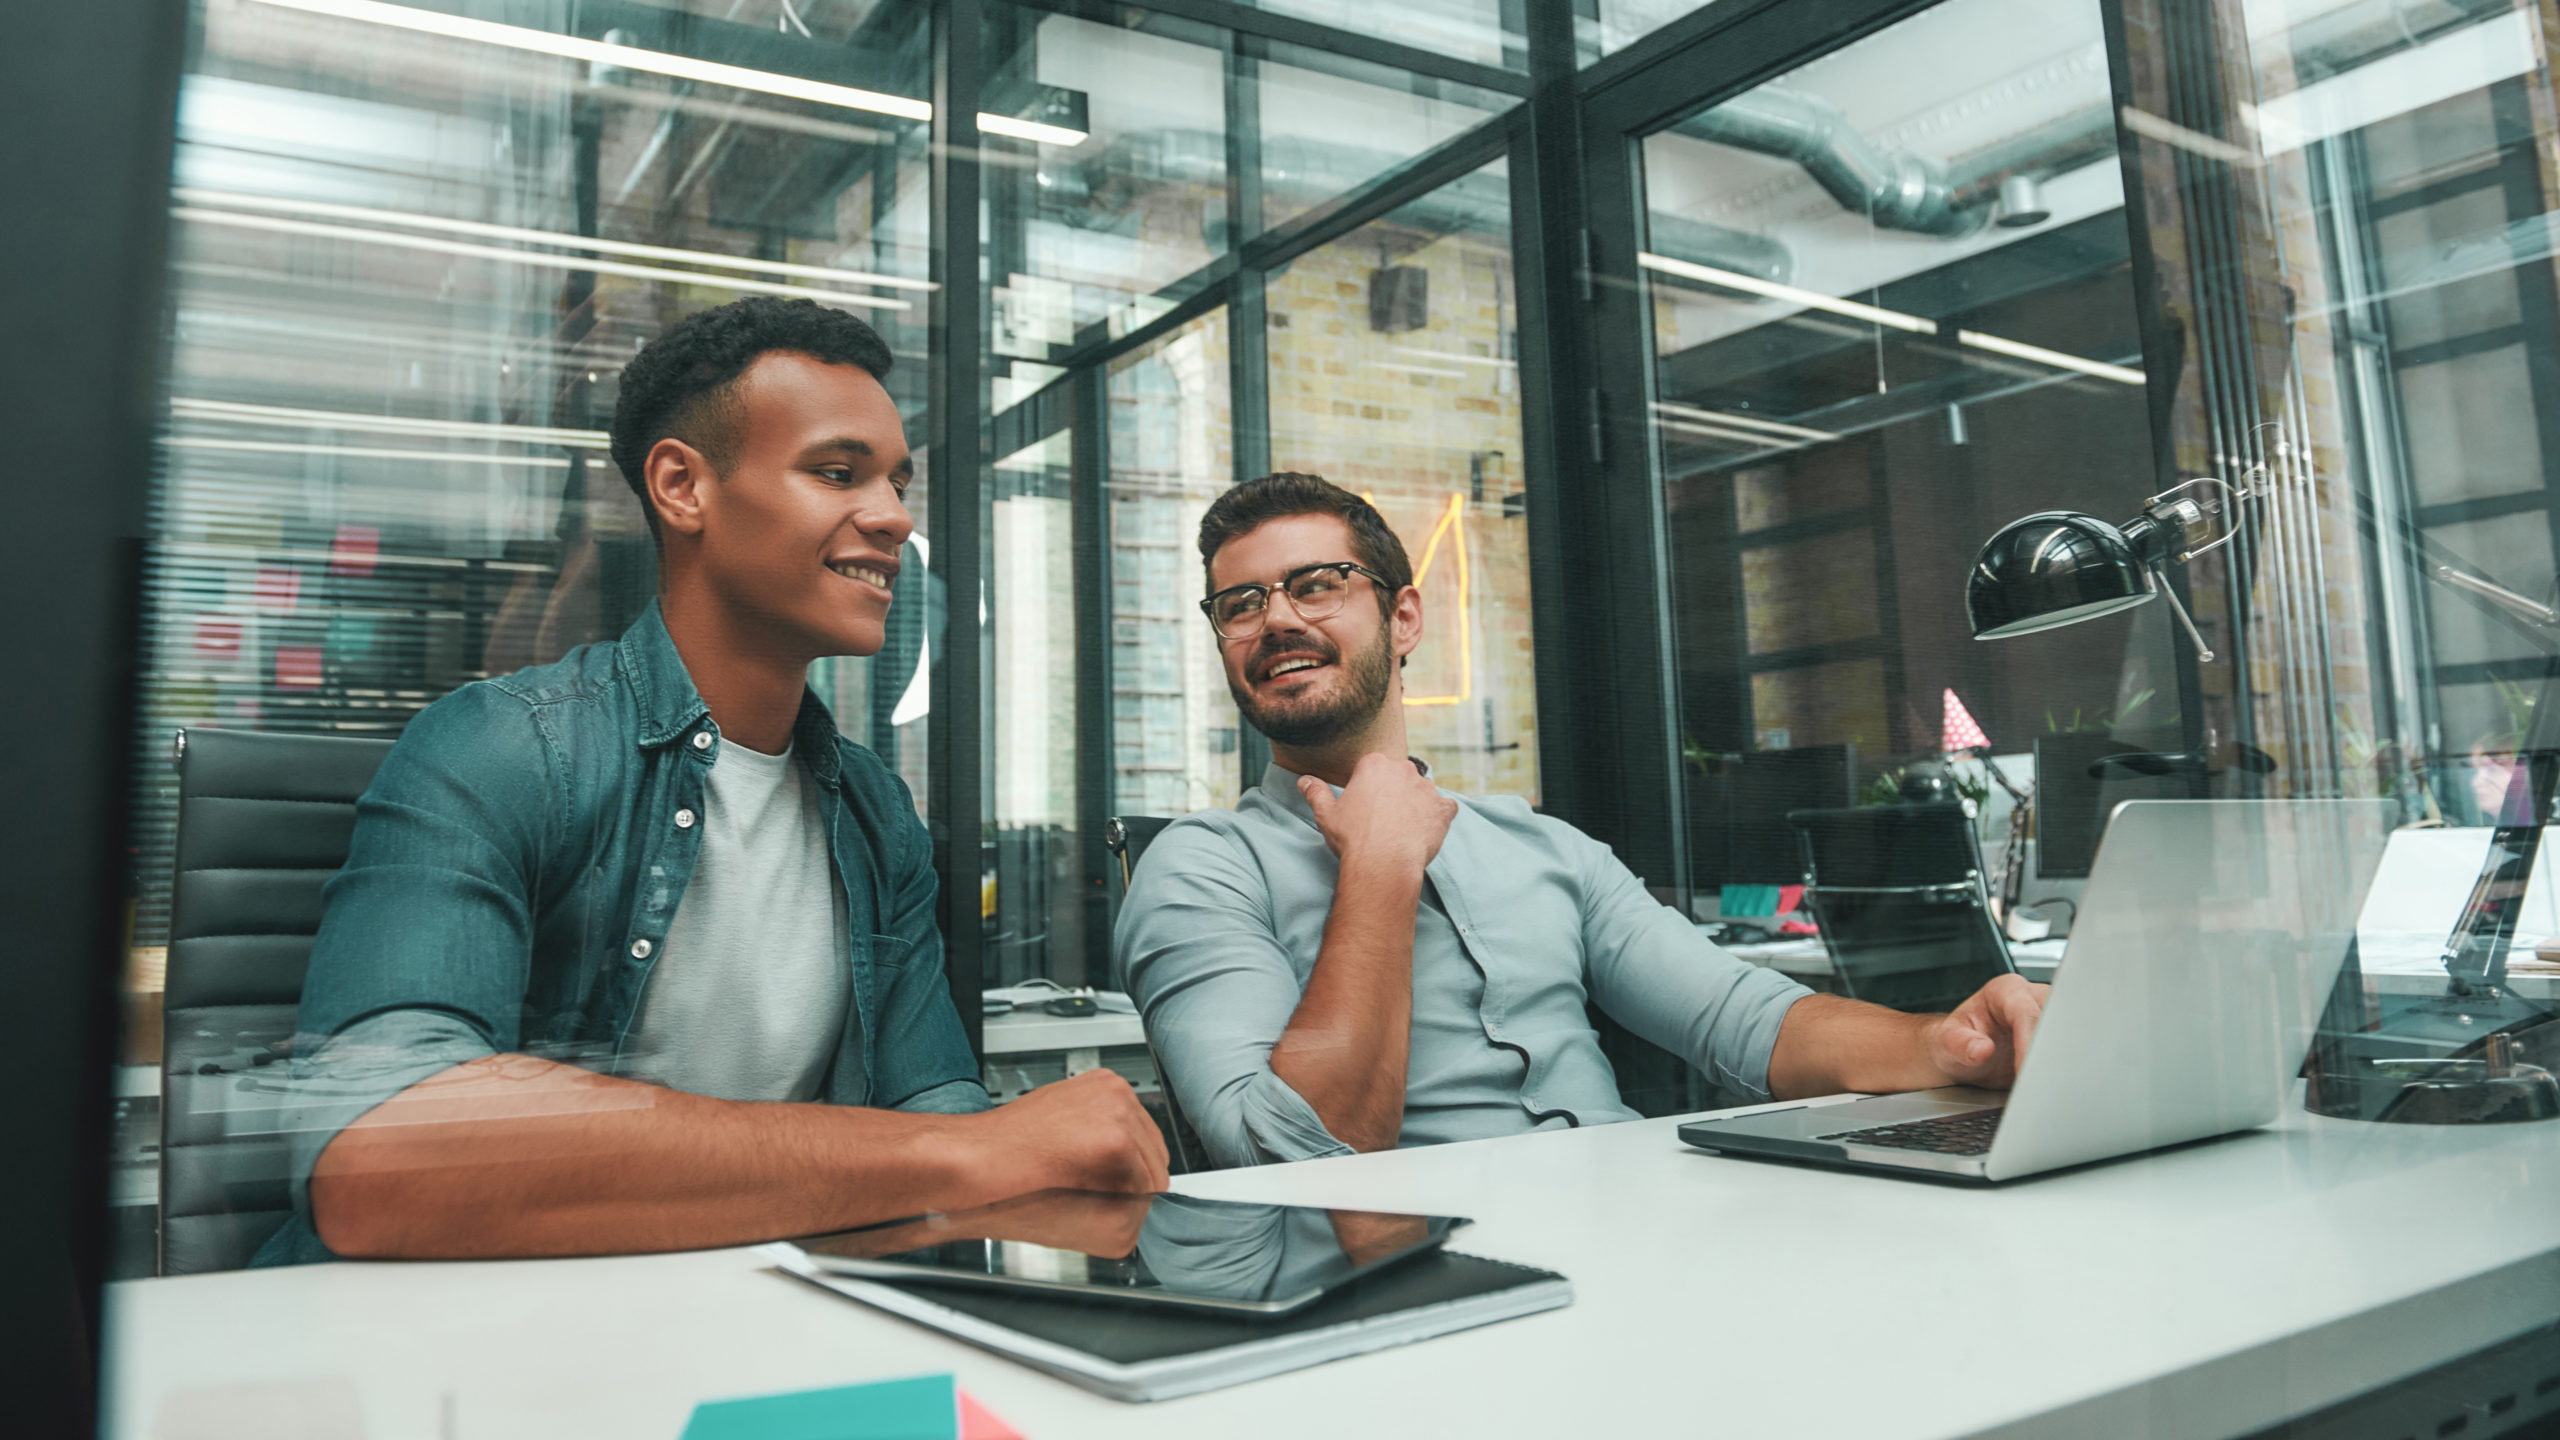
(2208, 1291)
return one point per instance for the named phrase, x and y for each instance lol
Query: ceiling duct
(1896, 189)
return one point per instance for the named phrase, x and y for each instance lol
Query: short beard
(1315, 725)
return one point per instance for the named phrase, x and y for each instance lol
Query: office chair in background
(263, 821)
(1897, 890)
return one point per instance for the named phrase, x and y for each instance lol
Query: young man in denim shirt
(632, 951)
(1353, 959)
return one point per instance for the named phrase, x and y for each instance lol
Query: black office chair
(1127, 837)
(263, 822)
(1898, 892)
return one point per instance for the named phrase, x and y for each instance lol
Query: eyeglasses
(1315, 591)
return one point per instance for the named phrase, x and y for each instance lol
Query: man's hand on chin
(1985, 1039)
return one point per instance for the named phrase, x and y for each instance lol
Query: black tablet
(1163, 1250)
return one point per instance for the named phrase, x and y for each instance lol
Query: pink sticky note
(977, 1422)
(218, 635)
(297, 665)
(356, 550)
(276, 588)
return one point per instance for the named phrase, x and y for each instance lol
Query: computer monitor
(2075, 791)
(1738, 831)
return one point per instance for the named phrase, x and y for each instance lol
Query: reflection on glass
(1620, 23)
(1128, 195)
(1485, 32)
(1870, 354)
(1162, 1249)
(1173, 725)
(1394, 375)
(412, 253)
(1331, 124)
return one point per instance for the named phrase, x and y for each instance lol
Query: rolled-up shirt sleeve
(1652, 971)
(358, 1068)
(1197, 951)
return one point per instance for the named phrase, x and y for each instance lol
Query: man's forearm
(1345, 1049)
(515, 1156)
(1827, 1045)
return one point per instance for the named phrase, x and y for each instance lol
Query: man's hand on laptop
(1086, 1132)
(1985, 1039)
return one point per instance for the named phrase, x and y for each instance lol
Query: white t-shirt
(749, 996)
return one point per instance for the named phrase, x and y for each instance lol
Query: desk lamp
(2478, 1052)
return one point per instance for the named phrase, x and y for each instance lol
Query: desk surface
(2209, 1290)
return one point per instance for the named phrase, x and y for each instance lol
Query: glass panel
(1330, 124)
(1174, 728)
(1865, 362)
(1485, 32)
(410, 263)
(2365, 211)
(1037, 927)
(1118, 189)
(1620, 23)
(1393, 374)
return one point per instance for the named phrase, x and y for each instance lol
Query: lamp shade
(2053, 568)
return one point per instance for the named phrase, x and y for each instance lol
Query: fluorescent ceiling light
(2473, 58)
(1423, 353)
(2056, 358)
(659, 62)
(628, 57)
(1753, 285)
(230, 200)
(239, 413)
(1746, 422)
(541, 259)
(1029, 130)
(359, 452)
(1442, 371)
(2194, 142)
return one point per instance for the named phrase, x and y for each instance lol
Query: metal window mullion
(955, 730)
(1248, 328)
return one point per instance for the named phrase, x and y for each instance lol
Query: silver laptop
(2197, 971)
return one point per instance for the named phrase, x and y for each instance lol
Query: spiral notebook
(1131, 1353)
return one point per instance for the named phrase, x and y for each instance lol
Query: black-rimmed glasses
(1315, 591)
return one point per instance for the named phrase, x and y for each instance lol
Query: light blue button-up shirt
(1524, 921)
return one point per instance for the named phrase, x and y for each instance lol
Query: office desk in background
(2211, 1290)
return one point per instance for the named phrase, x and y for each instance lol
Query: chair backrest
(1898, 892)
(263, 822)
(1127, 837)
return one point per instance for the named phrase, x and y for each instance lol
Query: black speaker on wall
(1399, 298)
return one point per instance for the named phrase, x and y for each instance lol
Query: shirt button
(701, 739)
(640, 948)
(684, 819)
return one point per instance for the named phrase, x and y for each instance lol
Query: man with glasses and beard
(1354, 959)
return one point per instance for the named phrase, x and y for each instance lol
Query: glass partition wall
(1695, 442)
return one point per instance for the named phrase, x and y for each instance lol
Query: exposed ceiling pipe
(2358, 34)
(1895, 189)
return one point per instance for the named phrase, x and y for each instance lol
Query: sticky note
(297, 665)
(356, 549)
(925, 1407)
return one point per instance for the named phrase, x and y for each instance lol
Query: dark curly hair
(1255, 503)
(685, 383)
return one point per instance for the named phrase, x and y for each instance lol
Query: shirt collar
(1281, 785)
(670, 707)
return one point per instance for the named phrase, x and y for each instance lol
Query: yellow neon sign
(1453, 522)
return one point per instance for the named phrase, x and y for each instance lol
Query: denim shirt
(521, 853)
(1524, 922)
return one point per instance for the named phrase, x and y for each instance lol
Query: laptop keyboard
(1966, 1134)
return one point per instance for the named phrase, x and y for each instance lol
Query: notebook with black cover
(1132, 1352)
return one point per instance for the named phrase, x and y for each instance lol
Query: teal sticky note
(926, 1407)
(1745, 901)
